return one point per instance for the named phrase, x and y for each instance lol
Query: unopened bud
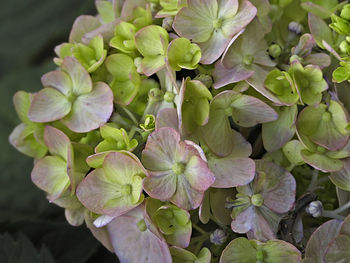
(295, 27)
(275, 51)
(315, 208)
(218, 237)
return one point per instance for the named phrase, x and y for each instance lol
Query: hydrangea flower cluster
(199, 130)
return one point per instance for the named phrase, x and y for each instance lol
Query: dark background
(31, 229)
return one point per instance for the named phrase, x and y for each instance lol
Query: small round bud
(168, 23)
(149, 123)
(257, 200)
(248, 59)
(275, 51)
(218, 237)
(169, 96)
(315, 208)
(142, 225)
(340, 25)
(155, 94)
(295, 27)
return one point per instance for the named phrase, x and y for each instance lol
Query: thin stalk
(131, 116)
(199, 229)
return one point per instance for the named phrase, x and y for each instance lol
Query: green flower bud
(149, 123)
(169, 96)
(275, 51)
(142, 225)
(248, 60)
(257, 200)
(345, 12)
(340, 25)
(155, 94)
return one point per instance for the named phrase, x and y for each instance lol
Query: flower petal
(81, 81)
(133, 245)
(58, 80)
(92, 110)
(49, 105)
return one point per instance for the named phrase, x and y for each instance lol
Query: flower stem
(199, 229)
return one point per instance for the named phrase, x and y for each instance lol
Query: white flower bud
(218, 237)
(315, 208)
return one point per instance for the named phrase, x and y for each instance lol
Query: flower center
(142, 225)
(126, 189)
(217, 23)
(178, 168)
(257, 200)
(248, 59)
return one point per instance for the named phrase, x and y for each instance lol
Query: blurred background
(31, 229)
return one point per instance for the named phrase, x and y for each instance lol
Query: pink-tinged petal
(96, 160)
(320, 240)
(214, 47)
(244, 16)
(49, 105)
(101, 234)
(342, 178)
(92, 110)
(319, 59)
(95, 191)
(195, 22)
(281, 198)
(57, 142)
(159, 152)
(50, 175)
(198, 174)
(128, 8)
(133, 245)
(161, 186)
(321, 162)
(243, 221)
(257, 82)
(82, 25)
(232, 171)
(185, 196)
(58, 80)
(224, 76)
(227, 8)
(105, 30)
(279, 189)
(277, 133)
(81, 81)
(249, 111)
(100, 191)
(338, 251)
(167, 118)
(265, 225)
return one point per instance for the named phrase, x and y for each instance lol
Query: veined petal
(49, 105)
(57, 142)
(58, 80)
(92, 110)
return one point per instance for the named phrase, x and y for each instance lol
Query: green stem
(131, 116)
(199, 229)
(331, 214)
(314, 181)
(132, 132)
(212, 218)
(342, 208)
